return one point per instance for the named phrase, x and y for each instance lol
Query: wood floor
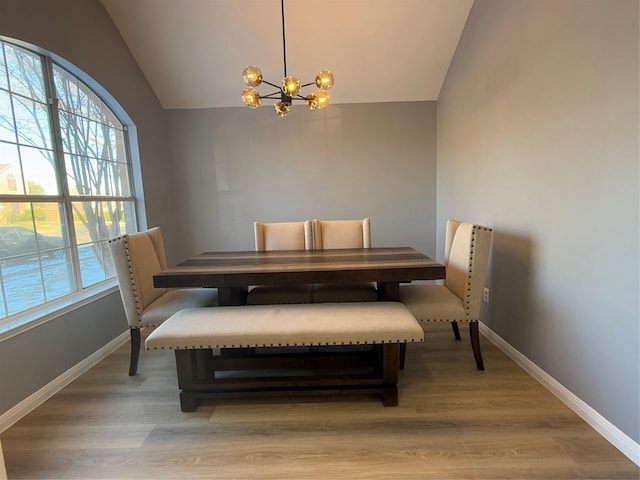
(453, 422)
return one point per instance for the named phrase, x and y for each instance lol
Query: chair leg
(403, 354)
(474, 333)
(456, 330)
(135, 351)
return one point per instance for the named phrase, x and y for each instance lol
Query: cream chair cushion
(175, 300)
(281, 236)
(137, 257)
(452, 226)
(334, 234)
(460, 299)
(432, 303)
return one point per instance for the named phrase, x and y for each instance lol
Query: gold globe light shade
(251, 97)
(252, 76)
(290, 86)
(325, 80)
(322, 99)
(317, 101)
(282, 108)
(311, 101)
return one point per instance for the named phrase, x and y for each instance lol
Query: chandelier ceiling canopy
(289, 89)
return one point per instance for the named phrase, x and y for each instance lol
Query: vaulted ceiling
(193, 51)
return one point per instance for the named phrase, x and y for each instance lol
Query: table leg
(389, 291)
(232, 296)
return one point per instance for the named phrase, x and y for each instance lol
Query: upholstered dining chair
(281, 236)
(136, 258)
(459, 298)
(334, 234)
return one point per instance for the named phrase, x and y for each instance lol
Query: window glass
(10, 170)
(25, 73)
(32, 122)
(111, 179)
(39, 170)
(92, 236)
(7, 124)
(4, 82)
(57, 212)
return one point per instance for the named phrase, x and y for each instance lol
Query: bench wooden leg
(188, 403)
(192, 367)
(390, 364)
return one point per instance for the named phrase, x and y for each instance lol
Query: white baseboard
(600, 424)
(38, 398)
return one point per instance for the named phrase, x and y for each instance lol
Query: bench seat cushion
(287, 325)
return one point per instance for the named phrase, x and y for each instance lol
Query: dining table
(204, 374)
(234, 272)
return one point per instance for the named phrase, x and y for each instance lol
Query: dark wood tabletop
(231, 272)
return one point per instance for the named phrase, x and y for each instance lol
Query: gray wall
(81, 32)
(33, 359)
(238, 166)
(538, 137)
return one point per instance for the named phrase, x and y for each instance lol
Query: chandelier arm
(307, 84)
(272, 84)
(272, 95)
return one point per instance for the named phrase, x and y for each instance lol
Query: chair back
(452, 226)
(467, 263)
(136, 258)
(283, 236)
(331, 234)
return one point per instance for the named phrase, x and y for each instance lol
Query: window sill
(24, 322)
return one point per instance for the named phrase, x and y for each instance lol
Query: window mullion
(67, 213)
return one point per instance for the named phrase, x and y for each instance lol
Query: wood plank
(241, 269)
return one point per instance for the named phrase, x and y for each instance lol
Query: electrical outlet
(486, 295)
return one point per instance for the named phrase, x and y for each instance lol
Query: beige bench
(328, 348)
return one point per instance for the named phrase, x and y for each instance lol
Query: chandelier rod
(284, 43)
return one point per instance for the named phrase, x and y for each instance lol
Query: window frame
(17, 323)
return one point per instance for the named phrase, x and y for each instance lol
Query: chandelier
(290, 88)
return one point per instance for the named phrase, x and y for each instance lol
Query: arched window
(68, 154)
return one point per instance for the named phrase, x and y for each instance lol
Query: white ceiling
(193, 51)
